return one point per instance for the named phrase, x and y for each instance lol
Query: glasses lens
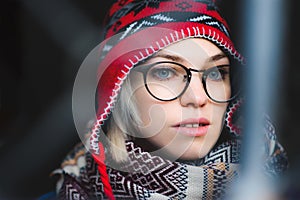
(166, 80)
(218, 85)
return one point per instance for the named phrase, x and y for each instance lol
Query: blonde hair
(123, 122)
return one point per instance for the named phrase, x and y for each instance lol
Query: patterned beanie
(137, 29)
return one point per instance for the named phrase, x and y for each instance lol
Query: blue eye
(162, 73)
(217, 74)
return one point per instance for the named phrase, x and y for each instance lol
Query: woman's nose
(195, 94)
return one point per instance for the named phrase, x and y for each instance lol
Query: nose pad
(195, 94)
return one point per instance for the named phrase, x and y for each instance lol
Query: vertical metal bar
(263, 24)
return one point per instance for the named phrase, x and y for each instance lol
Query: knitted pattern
(146, 176)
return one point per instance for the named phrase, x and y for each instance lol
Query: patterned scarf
(147, 176)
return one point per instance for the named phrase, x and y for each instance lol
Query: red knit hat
(136, 30)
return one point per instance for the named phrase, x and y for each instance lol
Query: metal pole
(262, 23)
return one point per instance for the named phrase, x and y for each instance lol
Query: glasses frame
(145, 68)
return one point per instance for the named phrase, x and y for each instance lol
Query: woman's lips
(193, 127)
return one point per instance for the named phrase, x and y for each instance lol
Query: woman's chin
(194, 153)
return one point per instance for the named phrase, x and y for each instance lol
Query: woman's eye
(163, 73)
(217, 74)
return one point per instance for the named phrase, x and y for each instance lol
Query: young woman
(168, 98)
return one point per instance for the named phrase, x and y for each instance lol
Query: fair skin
(161, 120)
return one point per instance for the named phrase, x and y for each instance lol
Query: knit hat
(137, 29)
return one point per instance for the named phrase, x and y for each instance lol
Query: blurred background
(44, 42)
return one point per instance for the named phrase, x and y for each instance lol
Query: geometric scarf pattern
(152, 177)
(147, 176)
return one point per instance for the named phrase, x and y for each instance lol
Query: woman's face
(189, 126)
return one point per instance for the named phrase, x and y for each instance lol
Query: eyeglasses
(167, 81)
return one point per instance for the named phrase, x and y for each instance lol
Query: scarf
(147, 176)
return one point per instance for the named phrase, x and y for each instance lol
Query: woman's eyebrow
(217, 57)
(174, 58)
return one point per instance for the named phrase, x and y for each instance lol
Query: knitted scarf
(147, 176)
